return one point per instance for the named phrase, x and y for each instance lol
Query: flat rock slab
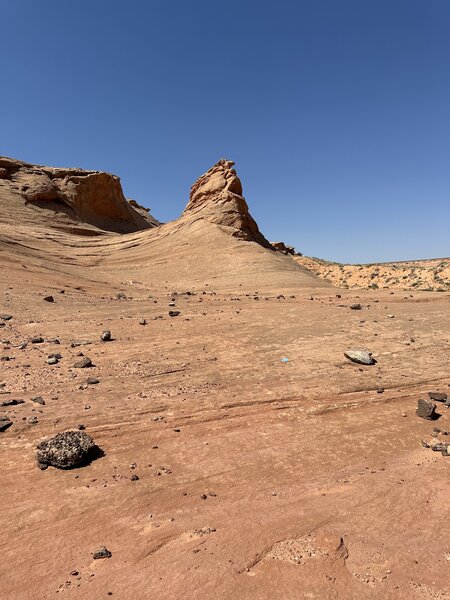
(65, 450)
(362, 357)
(426, 410)
(437, 396)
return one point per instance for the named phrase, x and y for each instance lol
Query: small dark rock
(355, 306)
(380, 390)
(83, 363)
(5, 422)
(102, 552)
(142, 322)
(106, 336)
(37, 340)
(426, 409)
(437, 396)
(174, 313)
(6, 317)
(92, 380)
(38, 400)
(134, 477)
(121, 296)
(49, 299)
(439, 448)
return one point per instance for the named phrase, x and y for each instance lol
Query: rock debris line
(65, 450)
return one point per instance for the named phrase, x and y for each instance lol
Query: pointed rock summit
(217, 197)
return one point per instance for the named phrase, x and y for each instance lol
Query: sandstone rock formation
(285, 249)
(93, 197)
(217, 197)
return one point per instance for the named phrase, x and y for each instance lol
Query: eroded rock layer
(93, 197)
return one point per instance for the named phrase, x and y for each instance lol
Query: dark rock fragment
(426, 410)
(84, 363)
(38, 400)
(11, 402)
(437, 396)
(102, 552)
(65, 450)
(5, 422)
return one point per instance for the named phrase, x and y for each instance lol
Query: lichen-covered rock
(65, 450)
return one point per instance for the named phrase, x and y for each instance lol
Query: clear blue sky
(337, 112)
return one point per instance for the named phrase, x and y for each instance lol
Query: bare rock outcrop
(285, 249)
(217, 197)
(93, 197)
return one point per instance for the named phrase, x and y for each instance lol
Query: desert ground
(239, 453)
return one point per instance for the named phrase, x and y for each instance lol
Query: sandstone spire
(217, 197)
